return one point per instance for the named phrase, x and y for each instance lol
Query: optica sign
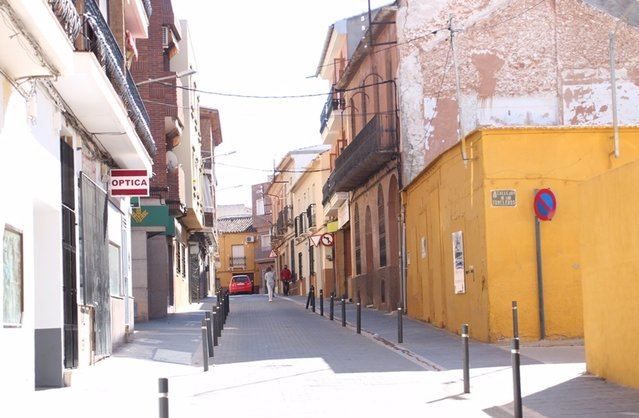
(129, 183)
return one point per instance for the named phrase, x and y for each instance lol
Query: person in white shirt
(269, 278)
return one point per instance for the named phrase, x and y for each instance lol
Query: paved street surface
(279, 360)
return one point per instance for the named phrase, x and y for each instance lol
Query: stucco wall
(609, 245)
(499, 242)
(520, 64)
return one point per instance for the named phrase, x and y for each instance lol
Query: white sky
(261, 47)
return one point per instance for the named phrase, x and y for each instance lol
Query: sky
(258, 47)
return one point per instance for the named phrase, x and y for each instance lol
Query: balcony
(374, 146)
(334, 101)
(114, 109)
(177, 192)
(237, 262)
(136, 17)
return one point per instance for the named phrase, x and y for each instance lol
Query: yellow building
(486, 204)
(610, 262)
(237, 250)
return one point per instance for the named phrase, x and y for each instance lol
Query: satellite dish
(171, 160)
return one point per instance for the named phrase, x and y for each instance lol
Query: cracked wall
(521, 63)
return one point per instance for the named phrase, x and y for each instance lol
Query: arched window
(364, 108)
(353, 120)
(368, 233)
(358, 242)
(382, 226)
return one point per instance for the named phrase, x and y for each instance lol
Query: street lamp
(169, 77)
(212, 157)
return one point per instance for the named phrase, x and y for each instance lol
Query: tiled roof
(235, 225)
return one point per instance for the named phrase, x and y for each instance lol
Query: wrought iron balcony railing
(237, 261)
(374, 146)
(99, 39)
(333, 102)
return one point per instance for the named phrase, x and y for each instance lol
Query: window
(178, 257)
(237, 256)
(382, 226)
(13, 286)
(358, 243)
(259, 206)
(115, 271)
(266, 242)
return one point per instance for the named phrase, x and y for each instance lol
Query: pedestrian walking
(269, 278)
(285, 278)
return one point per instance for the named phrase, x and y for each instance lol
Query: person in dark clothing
(285, 277)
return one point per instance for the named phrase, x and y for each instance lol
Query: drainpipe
(613, 88)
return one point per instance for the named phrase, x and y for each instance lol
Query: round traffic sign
(545, 204)
(327, 239)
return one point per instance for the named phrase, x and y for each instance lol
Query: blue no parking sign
(545, 204)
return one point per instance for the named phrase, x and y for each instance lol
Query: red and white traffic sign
(129, 183)
(327, 239)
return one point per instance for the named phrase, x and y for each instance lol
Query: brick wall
(160, 100)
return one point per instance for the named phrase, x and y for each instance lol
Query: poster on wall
(458, 262)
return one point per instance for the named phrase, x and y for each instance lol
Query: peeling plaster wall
(521, 63)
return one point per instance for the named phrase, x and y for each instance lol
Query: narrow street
(279, 360)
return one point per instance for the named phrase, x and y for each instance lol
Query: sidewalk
(554, 378)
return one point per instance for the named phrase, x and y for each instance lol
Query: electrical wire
(290, 96)
(274, 170)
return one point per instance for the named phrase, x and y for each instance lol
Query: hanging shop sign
(129, 183)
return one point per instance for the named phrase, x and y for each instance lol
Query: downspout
(613, 88)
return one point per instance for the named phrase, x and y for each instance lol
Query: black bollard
(466, 360)
(215, 323)
(209, 332)
(514, 349)
(359, 318)
(308, 299)
(400, 325)
(228, 303)
(331, 309)
(205, 354)
(313, 299)
(222, 311)
(163, 397)
(321, 302)
(515, 320)
(343, 312)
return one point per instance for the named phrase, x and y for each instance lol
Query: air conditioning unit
(250, 239)
(165, 36)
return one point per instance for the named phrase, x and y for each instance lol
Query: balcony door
(237, 256)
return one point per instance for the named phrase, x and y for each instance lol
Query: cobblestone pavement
(279, 360)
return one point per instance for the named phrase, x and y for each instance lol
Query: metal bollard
(228, 304)
(331, 310)
(313, 299)
(515, 320)
(308, 299)
(321, 302)
(514, 349)
(205, 353)
(400, 325)
(216, 325)
(222, 317)
(209, 332)
(359, 318)
(343, 312)
(466, 360)
(163, 397)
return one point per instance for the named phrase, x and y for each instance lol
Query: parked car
(240, 283)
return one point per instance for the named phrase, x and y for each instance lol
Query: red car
(240, 284)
